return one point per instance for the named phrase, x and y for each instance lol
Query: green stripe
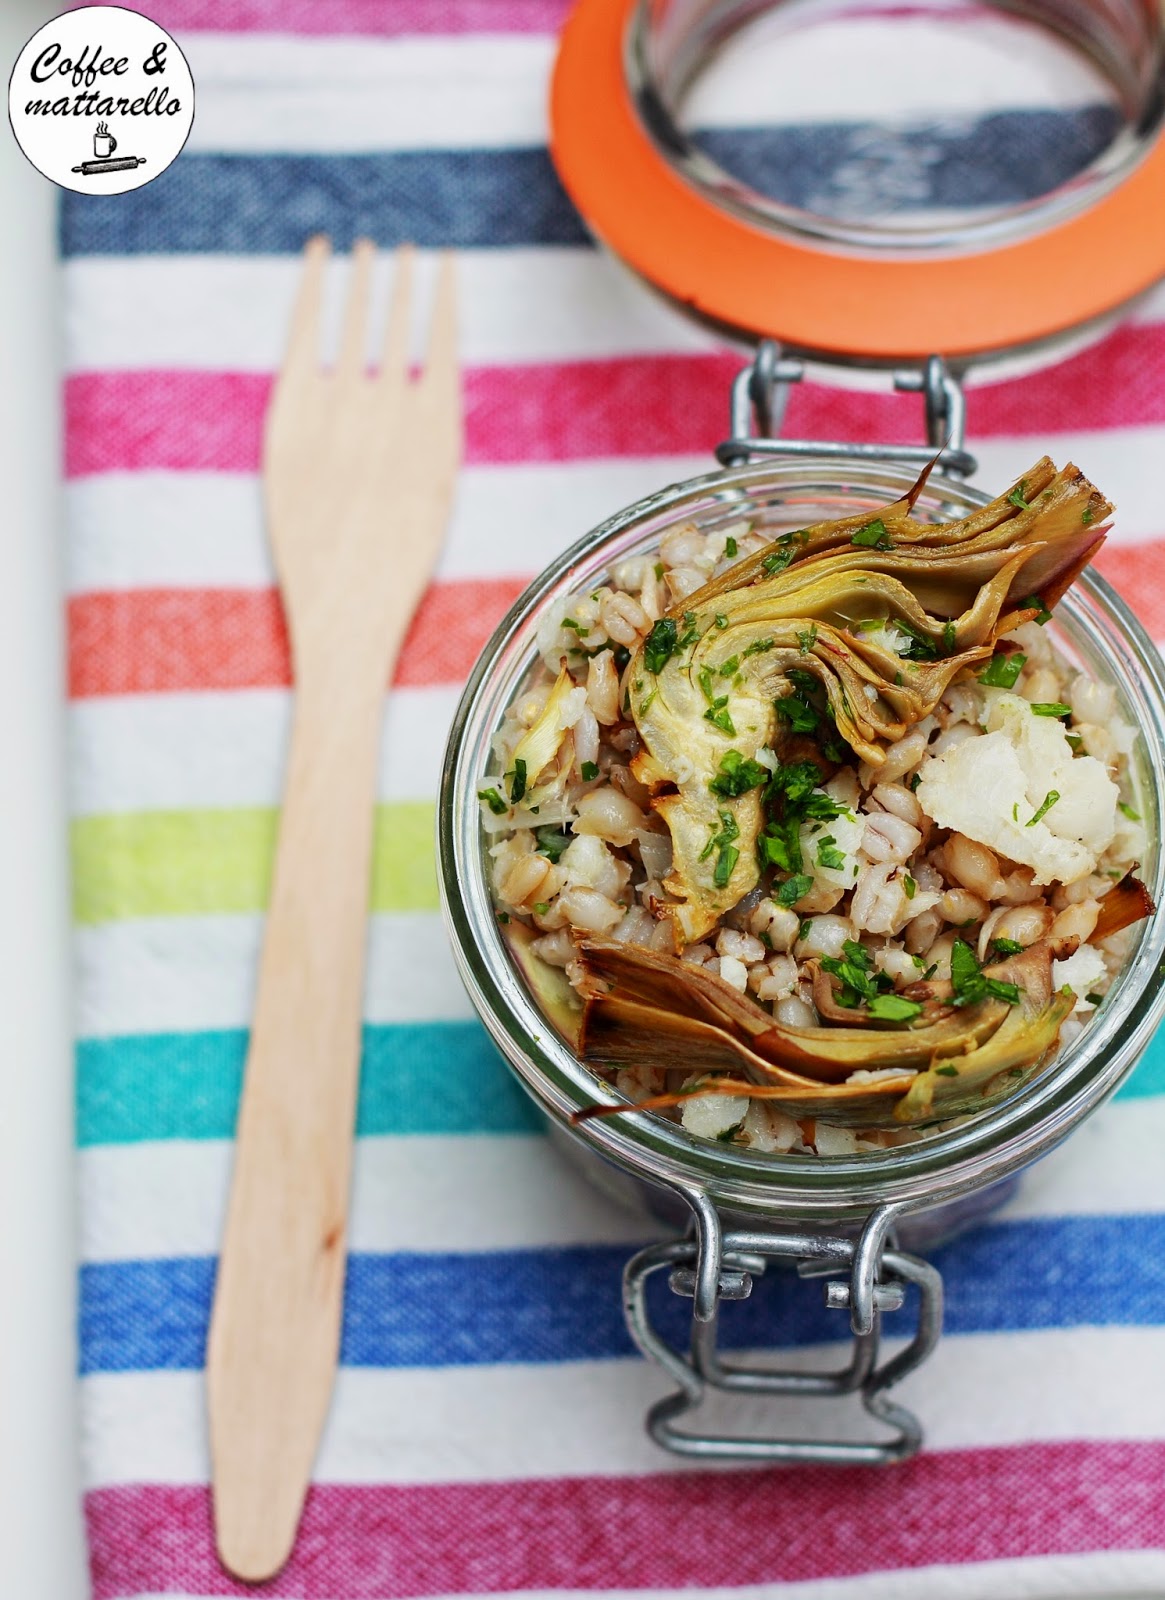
(186, 863)
(429, 1077)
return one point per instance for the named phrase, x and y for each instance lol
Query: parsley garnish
(552, 843)
(858, 979)
(659, 569)
(569, 622)
(727, 853)
(915, 781)
(969, 982)
(541, 907)
(518, 786)
(758, 647)
(948, 638)
(828, 855)
(909, 886)
(737, 776)
(1007, 947)
(590, 771)
(947, 1072)
(1126, 810)
(1017, 497)
(1086, 516)
(1050, 708)
(494, 801)
(727, 668)
(806, 640)
(777, 560)
(893, 1008)
(721, 620)
(1075, 740)
(719, 715)
(1094, 998)
(1033, 602)
(660, 645)
(803, 930)
(1049, 801)
(873, 536)
(730, 546)
(1002, 671)
(801, 715)
(794, 889)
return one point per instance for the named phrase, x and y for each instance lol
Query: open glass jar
(848, 1219)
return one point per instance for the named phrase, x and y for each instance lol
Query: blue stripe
(564, 1305)
(263, 204)
(428, 1077)
(1148, 1076)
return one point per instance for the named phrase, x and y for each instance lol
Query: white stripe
(1101, 1575)
(457, 1424)
(163, 529)
(162, 752)
(320, 94)
(414, 1193)
(182, 974)
(448, 1193)
(231, 312)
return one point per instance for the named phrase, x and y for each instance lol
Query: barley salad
(818, 844)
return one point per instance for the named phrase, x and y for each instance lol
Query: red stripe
(382, 18)
(1138, 572)
(141, 641)
(577, 410)
(659, 1531)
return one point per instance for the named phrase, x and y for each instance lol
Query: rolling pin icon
(116, 164)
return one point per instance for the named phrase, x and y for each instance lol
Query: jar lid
(755, 274)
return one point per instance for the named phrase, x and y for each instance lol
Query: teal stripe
(430, 1077)
(1148, 1076)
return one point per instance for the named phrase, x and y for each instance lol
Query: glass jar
(851, 1215)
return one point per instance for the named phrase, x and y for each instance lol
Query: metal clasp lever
(713, 1266)
(760, 395)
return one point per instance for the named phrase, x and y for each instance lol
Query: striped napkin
(486, 1432)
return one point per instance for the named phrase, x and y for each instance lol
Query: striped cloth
(486, 1432)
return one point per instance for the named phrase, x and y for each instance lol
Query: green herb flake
(730, 546)
(969, 982)
(893, 1008)
(1004, 668)
(828, 855)
(541, 907)
(1007, 947)
(1075, 740)
(1046, 805)
(947, 1072)
(1126, 810)
(806, 640)
(659, 570)
(518, 784)
(794, 889)
(725, 861)
(909, 886)
(494, 801)
(720, 717)
(503, 916)
(758, 647)
(578, 627)
(1015, 812)
(915, 781)
(660, 645)
(645, 705)
(1034, 602)
(721, 620)
(1050, 708)
(1086, 516)
(1094, 998)
(873, 536)
(804, 929)
(551, 843)
(777, 560)
(727, 668)
(590, 771)
(1018, 496)
(948, 638)
(737, 776)
(801, 716)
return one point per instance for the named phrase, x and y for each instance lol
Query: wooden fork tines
(359, 463)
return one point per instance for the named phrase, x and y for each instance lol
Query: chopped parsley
(970, 983)
(948, 638)
(578, 627)
(730, 546)
(541, 907)
(552, 843)
(909, 886)
(1007, 947)
(791, 797)
(806, 640)
(1050, 708)
(1034, 602)
(794, 889)
(894, 1008)
(727, 854)
(518, 784)
(1094, 998)
(803, 930)
(801, 715)
(828, 855)
(727, 668)
(873, 536)
(1126, 810)
(1018, 496)
(915, 781)
(1075, 740)
(1004, 668)
(720, 717)
(758, 647)
(1046, 805)
(590, 771)
(854, 969)
(1086, 516)
(737, 776)
(777, 560)
(661, 644)
(721, 620)
(494, 801)
(658, 569)
(947, 1072)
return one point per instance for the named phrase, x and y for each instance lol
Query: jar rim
(945, 1165)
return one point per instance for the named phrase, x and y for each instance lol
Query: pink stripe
(664, 1531)
(381, 18)
(633, 406)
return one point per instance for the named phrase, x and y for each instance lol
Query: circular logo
(101, 100)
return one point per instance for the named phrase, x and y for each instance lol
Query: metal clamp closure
(863, 1276)
(760, 395)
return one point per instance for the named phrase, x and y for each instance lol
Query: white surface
(41, 1556)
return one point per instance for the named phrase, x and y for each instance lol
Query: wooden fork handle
(275, 1327)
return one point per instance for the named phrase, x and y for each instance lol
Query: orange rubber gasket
(868, 308)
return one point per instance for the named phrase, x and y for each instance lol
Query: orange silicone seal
(817, 300)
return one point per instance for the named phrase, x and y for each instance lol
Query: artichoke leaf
(549, 985)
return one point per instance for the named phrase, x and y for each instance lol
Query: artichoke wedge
(878, 611)
(645, 1008)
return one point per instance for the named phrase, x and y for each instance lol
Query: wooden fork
(358, 474)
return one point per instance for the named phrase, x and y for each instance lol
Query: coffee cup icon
(104, 144)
